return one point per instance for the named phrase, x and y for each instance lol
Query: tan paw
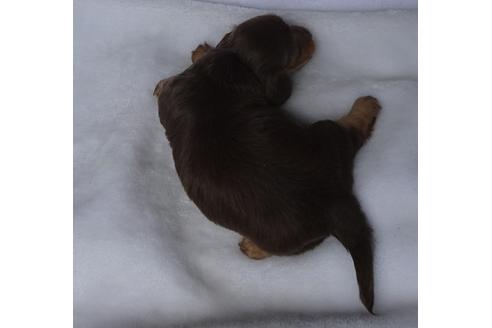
(363, 115)
(251, 250)
(368, 104)
(199, 52)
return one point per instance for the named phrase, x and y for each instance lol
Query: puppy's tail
(362, 255)
(351, 228)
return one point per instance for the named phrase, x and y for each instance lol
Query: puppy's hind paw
(252, 251)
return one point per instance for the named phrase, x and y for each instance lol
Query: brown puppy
(248, 166)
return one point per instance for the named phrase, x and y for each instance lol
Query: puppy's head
(272, 49)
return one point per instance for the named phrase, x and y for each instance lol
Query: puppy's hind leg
(351, 228)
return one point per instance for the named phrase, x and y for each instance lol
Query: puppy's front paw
(368, 105)
(199, 52)
(251, 250)
(362, 116)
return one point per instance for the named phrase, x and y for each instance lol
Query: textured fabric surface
(341, 5)
(144, 256)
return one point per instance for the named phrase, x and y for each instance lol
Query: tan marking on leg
(362, 116)
(252, 251)
(199, 52)
(162, 85)
(158, 88)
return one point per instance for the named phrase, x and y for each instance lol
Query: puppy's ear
(278, 87)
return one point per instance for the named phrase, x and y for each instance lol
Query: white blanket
(146, 257)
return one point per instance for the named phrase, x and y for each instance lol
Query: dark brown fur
(250, 167)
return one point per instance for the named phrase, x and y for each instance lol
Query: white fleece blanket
(144, 256)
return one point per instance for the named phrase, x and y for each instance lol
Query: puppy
(283, 185)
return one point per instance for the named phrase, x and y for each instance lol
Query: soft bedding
(144, 256)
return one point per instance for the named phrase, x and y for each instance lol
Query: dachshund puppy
(250, 167)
